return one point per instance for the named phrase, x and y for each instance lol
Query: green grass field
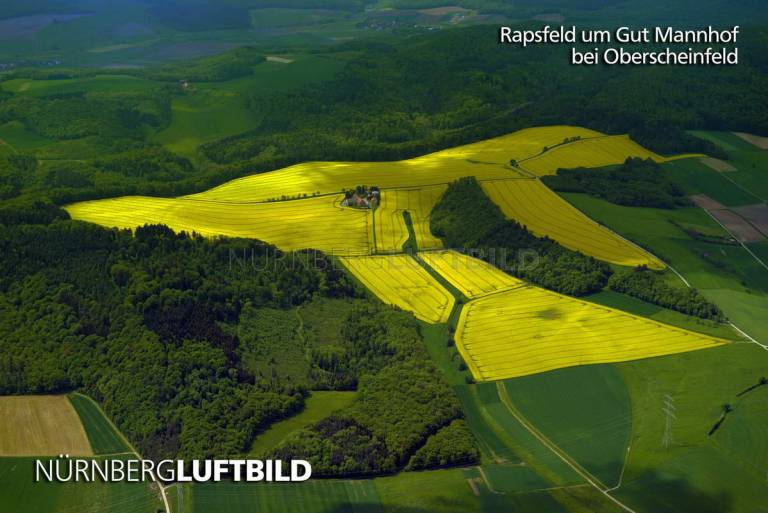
(313, 496)
(497, 419)
(700, 480)
(724, 273)
(726, 140)
(21, 494)
(761, 250)
(692, 464)
(102, 435)
(444, 491)
(749, 161)
(99, 83)
(753, 171)
(214, 110)
(744, 434)
(696, 178)
(15, 135)
(585, 410)
(317, 406)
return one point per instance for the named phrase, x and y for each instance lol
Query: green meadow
(317, 406)
(723, 272)
(102, 434)
(209, 111)
(314, 496)
(722, 472)
(587, 414)
(21, 494)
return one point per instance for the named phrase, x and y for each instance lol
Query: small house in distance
(362, 197)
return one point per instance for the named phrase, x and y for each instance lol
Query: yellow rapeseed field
(589, 152)
(488, 159)
(544, 213)
(399, 280)
(391, 230)
(307, 215)
(315, 223)
(526, 330)
(41, 425)
(473, 277)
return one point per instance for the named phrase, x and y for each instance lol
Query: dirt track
(734, 220)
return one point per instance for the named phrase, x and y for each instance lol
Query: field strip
(736, 238)
(528, 330)
(560, 145)
(401, 281)
(473, 277)
(129, 444)
(41, 425)
(505, 399)
(545, 213)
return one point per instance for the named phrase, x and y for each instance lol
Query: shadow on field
(373, 508)
(655, 493)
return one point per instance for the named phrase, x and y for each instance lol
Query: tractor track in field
(589, 478)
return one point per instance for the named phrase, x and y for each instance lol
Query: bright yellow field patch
(41, 425)
(488, 159)
(307, 214)
(544, 213)
(527, 330)
(314, 223)
(399, 280)
(594, 152)
(391, 230)
(473, 277)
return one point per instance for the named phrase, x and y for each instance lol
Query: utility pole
(669, 411)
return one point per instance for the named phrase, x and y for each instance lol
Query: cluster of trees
(403, 408)
(650, 286)
(13, 170)
(635, 183)
(147, 324)
(667, 140)
(449, 447)
(466, 219)
(228, 65)
(430, 92)
(143, 324)
(219, 68)
(77, 115)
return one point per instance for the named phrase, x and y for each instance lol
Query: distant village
(362, 197)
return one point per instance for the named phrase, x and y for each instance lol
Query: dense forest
(428, 93)
(466, 219)
(635, 183)
(369, 437)
(391, 100)
(154, 326)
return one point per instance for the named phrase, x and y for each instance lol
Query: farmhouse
(362, 197)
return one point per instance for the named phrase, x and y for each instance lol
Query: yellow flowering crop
(399, 280)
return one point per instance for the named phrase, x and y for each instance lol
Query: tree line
(635, 183)
(466, 219)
